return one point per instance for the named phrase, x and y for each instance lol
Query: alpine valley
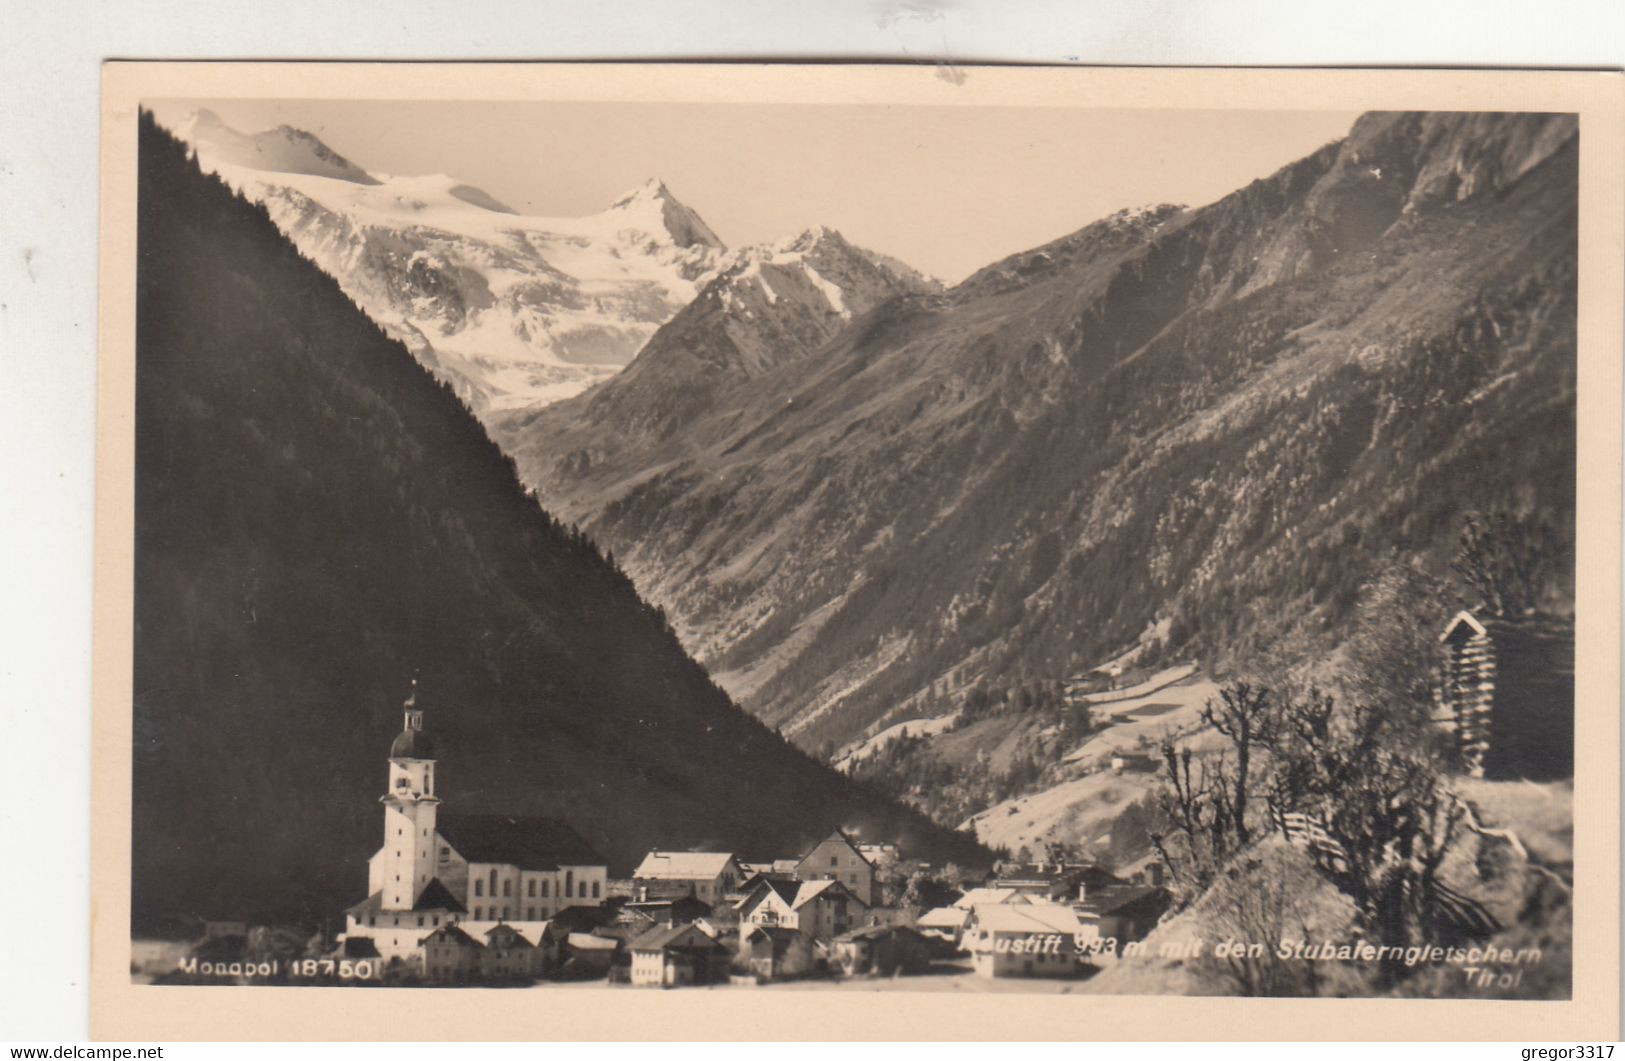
(1162, 442)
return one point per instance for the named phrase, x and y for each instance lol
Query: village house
(883, 950)
(662, 912)
(465, 951)
(707, 875)
(822, 909)
(675, 955)
(586, 955)
(508, 955)
(1025, 939)
(836, 857)
(1126, 912)
(450, 955)
(944, 922)
(773, 952)
(434, 869)
(1048, 880)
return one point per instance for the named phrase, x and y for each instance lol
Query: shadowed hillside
(317, 521)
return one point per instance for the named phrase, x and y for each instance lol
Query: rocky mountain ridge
(1212, 425)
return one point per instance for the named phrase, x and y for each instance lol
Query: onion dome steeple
(412, 742)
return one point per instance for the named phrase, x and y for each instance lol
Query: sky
(946, 189)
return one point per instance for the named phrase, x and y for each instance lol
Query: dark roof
(525, 842)
(450, 933)
(670, 907)
(358, 947)
(785, 889)
(878, 931)
(582, 918)
(779, 939)
(436, 897)
(666, 935)
(412, 744)
(1095, 877)
(1127, 899)
(749, 884)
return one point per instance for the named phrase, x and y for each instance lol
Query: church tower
(408, 864)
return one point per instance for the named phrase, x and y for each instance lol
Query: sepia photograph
(764, 546)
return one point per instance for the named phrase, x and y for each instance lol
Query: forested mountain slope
(1206, 426)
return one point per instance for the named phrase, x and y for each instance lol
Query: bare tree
(1243, 715)
(1194, 800)
(1385, 818)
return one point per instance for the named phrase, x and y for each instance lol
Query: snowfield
(514, 311)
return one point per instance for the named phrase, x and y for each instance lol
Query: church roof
(436, 896)
(370, 905)
(526, 842)
(412, 744)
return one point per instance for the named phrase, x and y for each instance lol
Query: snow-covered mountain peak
(652, 208)
(809, 239)
(515, 311)
(653, 188)
(283, 149)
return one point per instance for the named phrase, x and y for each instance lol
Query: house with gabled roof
(883, 950)
(508, 955)
(822, 909)
(1126, 912)
(706, 875)
(774, 952)
(674, 955)
(945, 922)
(1026, 939)
(450, 955)
(838, 857)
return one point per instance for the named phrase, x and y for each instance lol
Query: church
(475, 870)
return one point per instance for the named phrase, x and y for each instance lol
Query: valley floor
(1081, 809)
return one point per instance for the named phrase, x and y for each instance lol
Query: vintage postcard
(857, 552)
